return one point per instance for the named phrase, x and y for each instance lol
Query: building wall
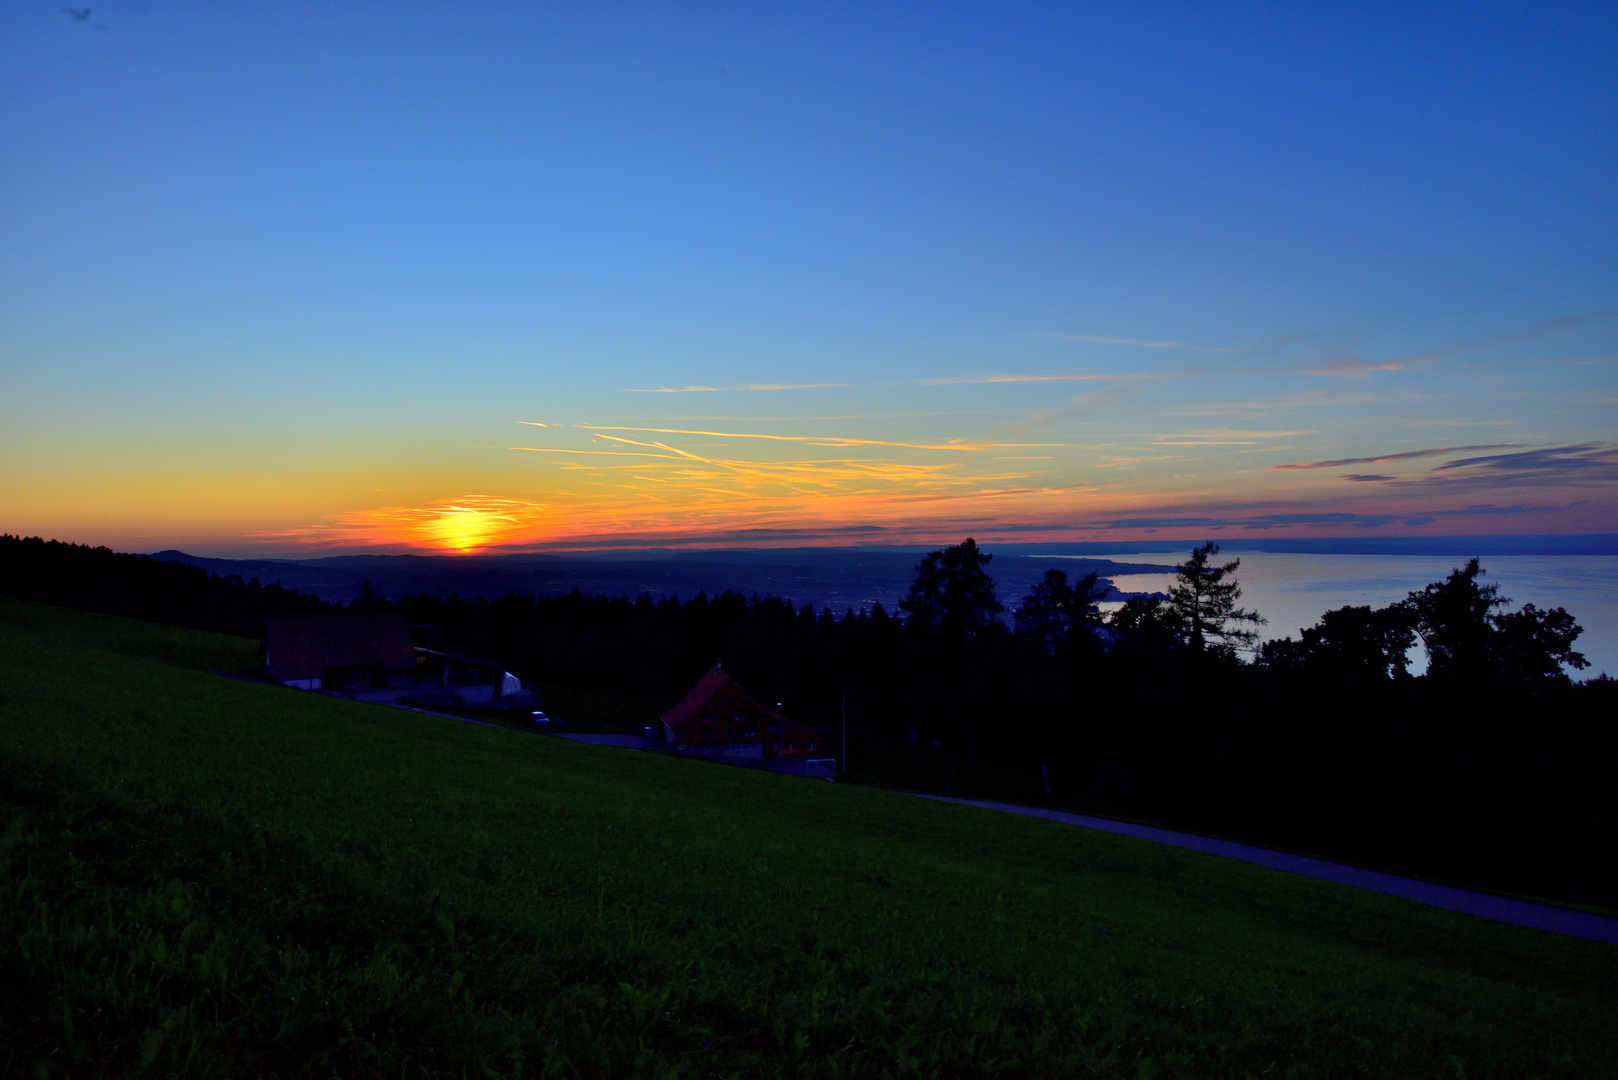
(475, 695)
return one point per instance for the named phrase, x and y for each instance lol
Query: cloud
(727, 389)
(730, 418)
(728, 478)
(1259, 521)
(1223, 437)
(594, 453)
(1382, 459)
(1142, 343)
(1486, 508)
(1582, 464)
(1055, 376)
(1578, 458)
(1321, 397)
(1028, 527)
(820, 440)
(1353, 365)
(1356, 366)
(1578, 465)
(1543, 328)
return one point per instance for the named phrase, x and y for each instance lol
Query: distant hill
(838, 578)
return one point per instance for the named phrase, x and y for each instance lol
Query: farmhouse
(346, 652)
(719, 717)
(372, 657)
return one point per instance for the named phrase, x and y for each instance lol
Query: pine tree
(1203, 601)
(953, 594)
(1055, 612)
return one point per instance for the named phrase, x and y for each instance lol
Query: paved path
(1484, 905)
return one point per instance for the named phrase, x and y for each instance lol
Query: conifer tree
(953, 594)
(1055, 613)
(1203, 601)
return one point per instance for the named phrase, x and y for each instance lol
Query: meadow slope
(214, 877)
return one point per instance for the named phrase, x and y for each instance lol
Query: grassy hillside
(216, 877)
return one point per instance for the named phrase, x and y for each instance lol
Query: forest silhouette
(1488, 768)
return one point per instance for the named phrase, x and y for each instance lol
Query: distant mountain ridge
(836, 578)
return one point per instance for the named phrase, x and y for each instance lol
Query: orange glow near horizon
(592, 486)
(461, 526)
(464, 529)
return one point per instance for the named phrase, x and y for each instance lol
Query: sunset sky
(300, 278)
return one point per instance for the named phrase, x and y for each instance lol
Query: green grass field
(215, 877)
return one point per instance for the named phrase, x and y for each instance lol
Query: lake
(1293, 590)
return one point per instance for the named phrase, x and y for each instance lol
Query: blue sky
(293, 277)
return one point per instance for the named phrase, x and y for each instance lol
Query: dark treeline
(1490, 768)
(98, 579)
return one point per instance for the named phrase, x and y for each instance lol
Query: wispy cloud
(1578, 458)
(1489, 508)
(727, 418)
(727, 389)
(1382, 459)
(591, 453)
(822, 440)
(1223, 437)
(1578, 465)
(705, 482)
(1357, 366)
(1047, 377)
(1543, 328)
(1346, 363)
(1254, 521)
(1142, 343)
(1326, 397)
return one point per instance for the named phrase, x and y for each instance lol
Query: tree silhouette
(1532, 646)
(1349, 645)
(1203, 601)
(953, 594)
(1467, 639)
(1055, 613)
(1144, 625)
(1452, 617)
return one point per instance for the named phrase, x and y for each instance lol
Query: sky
(302, 278)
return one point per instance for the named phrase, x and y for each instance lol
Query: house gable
(720, 716)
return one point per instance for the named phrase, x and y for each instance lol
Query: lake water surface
(1292, 591)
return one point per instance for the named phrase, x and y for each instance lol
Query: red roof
(718, 712)
(712, 687)
(304, 648)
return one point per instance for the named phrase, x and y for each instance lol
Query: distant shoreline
(1461, 545)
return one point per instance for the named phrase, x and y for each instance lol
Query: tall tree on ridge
(1203, 601)
(953, 594)
(1054, 612)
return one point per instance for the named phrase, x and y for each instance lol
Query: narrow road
(1555, 920)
